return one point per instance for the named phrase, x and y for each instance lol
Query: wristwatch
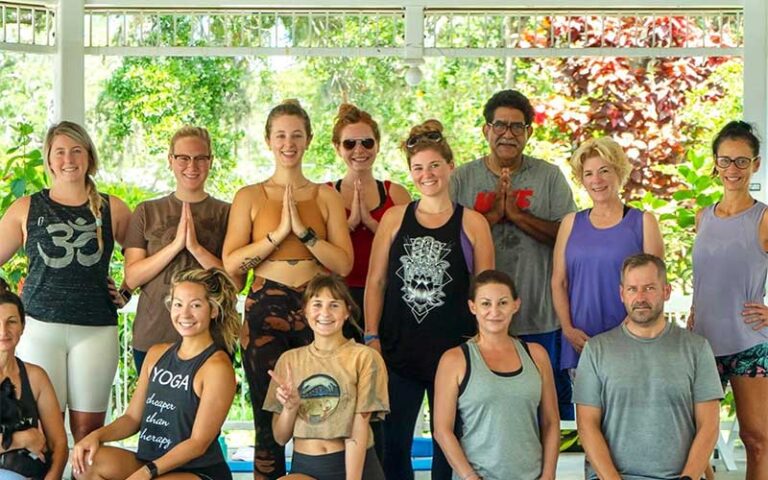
(152, 469)
(309, 237)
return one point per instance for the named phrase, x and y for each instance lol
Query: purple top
(593, 258)
(729, 270)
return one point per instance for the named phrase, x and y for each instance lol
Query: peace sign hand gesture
(286, 392)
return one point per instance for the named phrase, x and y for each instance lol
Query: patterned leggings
(275, 323)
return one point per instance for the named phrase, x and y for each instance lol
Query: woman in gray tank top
(730, 266)
(503, 392)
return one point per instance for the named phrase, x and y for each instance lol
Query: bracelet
(152, 469)
(270, 240)
(126, 294)
(369, 337)
(308, 237)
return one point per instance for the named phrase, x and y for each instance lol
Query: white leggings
(80, 361)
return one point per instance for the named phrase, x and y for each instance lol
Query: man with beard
(523, 199)
(647, 392)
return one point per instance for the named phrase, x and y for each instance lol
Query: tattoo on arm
(249, 263)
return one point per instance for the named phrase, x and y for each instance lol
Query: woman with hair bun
(68, 233)
(730, 266)
(356, 138)
(423, 256)
(183, 395)
(287, 230)
(182, 230)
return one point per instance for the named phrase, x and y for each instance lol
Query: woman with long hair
(423, 256)
(183, 394)
(287, 230)
(324, 395)
(182, 230)
(730, 266)
(68, 233)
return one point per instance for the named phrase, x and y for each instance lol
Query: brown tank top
(268, 219)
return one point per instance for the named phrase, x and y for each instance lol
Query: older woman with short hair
(592, 244)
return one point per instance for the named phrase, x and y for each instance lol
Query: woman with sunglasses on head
(68, 233)
(181, 230)
(730, 265)
(423, 256)
(356, 139)
(288, 230)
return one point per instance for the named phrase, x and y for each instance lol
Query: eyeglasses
(431, 137)
(351, 143)
(740, 162)
(500, 128)
(186, 159)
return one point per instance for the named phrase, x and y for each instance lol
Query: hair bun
(431, 125)
(291, 101)
(346, 109)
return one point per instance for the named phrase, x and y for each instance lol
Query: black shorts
(219, 471)
(331, 466)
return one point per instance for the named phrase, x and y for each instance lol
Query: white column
(69, 69)
(756, 82)
(414, 44)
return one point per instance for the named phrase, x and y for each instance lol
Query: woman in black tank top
(183, 394)
(27, 402)
(416, 292)
(68, 234)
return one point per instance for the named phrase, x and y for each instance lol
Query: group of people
(489, 294)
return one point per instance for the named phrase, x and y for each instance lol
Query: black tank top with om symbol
(67, 278)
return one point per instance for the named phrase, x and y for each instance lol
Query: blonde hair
(190, 131)
(338, 290)
(78, 134)
(221, 294)
(605, 148)
(441, 147)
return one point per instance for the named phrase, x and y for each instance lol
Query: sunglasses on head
(431, 137)
(351, 143)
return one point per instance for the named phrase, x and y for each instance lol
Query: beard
(643, 313)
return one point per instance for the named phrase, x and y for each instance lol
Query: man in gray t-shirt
(647, 392)
(523, 199)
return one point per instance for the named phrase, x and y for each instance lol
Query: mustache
(637, 305)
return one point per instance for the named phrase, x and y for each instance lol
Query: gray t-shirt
(542, 191)
(647, 390)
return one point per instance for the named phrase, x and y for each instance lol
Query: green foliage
(21, 173)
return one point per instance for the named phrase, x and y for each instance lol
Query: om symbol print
(61, 237)
(424, 272)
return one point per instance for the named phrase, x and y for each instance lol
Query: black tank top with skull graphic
(425, 308)
(67, 276)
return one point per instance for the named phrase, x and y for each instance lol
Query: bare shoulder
(328, 194)
(473, 218)
(155, 352)
(539, 354)
(453, 358)
(399, 194)
(36, 374)
(19, 208)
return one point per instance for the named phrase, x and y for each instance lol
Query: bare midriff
(318, 446)
(293, 273)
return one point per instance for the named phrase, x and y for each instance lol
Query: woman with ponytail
(423, 256)
(183, 395)
(287, 230)
(68, 233)
(356, 138)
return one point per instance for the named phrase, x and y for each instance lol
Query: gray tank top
(729, 270)
(499, 417)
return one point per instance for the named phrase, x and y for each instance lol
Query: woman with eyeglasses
(730, 265)
(356, 139)
(184, 229)
(287, 230)
(423, 256)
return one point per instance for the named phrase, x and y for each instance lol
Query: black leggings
(331, 466)
(276, 323)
